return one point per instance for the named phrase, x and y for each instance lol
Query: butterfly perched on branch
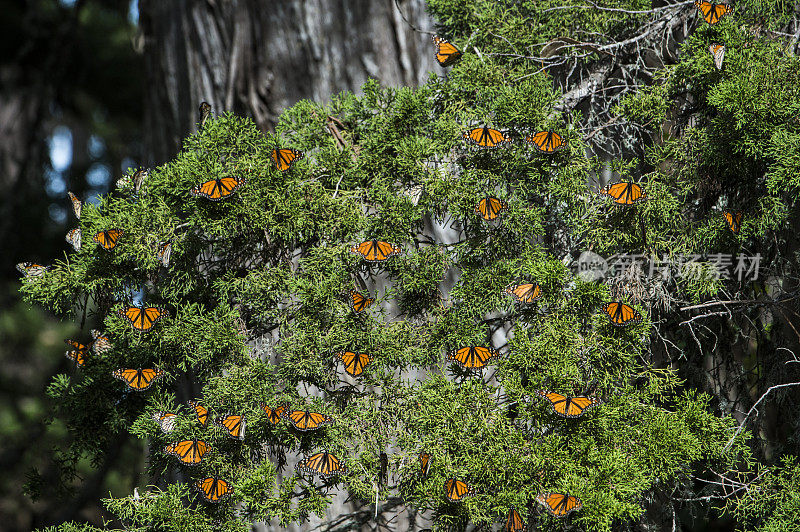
(322, 463)
(189, 452)
(213, 489)
(486, 137)
(567, 406)
(219, 189)
(713, 12)
(620, 314)
(446, 52)
(138, 379)
(284, 158)
(143, 318)
(559, 504)
(546, 141)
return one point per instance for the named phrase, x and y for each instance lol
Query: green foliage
(274, 260)
(772, 502)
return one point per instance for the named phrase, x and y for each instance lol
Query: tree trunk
(243, 57)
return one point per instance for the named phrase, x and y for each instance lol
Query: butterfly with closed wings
(446, 52)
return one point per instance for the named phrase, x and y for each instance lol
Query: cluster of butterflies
(191, 452)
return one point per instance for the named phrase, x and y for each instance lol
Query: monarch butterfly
(486, 137)
(78, 352)
(74, 239)
(201, 411)
(734, 220)
(306, 420)
(189, 452)
(446, 53)
(138, 379)
(620, 314)
(713, 12)
(143, 318)
(164, 253)
(514, 521)
(473, 357)
(718, 54)
(425, 460)
(489, 208)
(234, 424)
(358, 302)
(624, 193)
(213, 489)
(524, 292)
(284, 158)
(165, 420)
(138, 178)
(101, 342)
(109, 238)
(569, 406)
(559, 504)
(546, 141)
(77, 205)
(354, 363)
(456, 490)
(274, 415)
(218, 189)
(205, 113)
(322, 463)
(32, 269)
(376, 250)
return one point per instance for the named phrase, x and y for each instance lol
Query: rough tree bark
(257, 58)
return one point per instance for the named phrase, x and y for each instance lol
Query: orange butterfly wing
(108, 239)
(201, 411)
(473, 357)
(559, 504)
(446, 53)
(376, 250)
(525, 292)
(624, 193)
(514, 521)
(143, 318)
(234, 424)
(713, 12)
(213, 489)
(218, 189)
(620, 314)
(306, 420)
(734, 220)
(354, 363)
(77, 205)
(456, 490)
(322, 463)
(78, 352)
(486, 137)
(546, 141)
(489, 208)
(189, 452)
(274, 415)
(570, 407)
(138, 379)
(359, 302)
(425, 460)
(284, 158)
